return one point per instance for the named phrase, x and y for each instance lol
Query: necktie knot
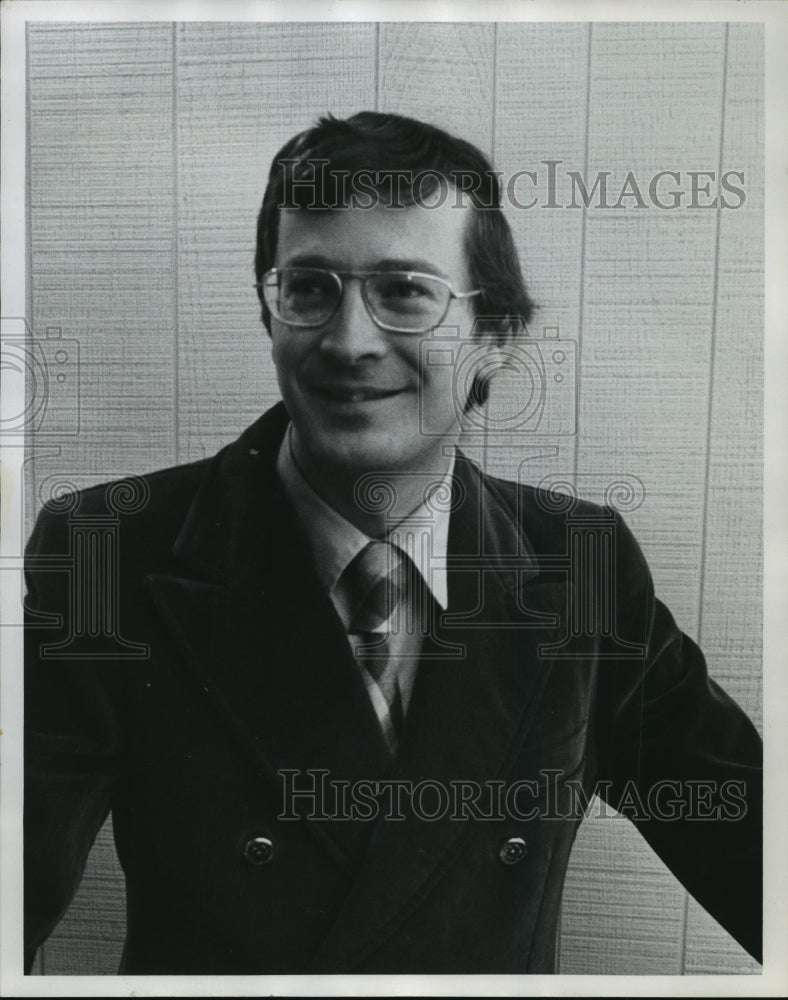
(375, 586)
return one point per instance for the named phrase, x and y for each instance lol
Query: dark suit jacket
(196, 657)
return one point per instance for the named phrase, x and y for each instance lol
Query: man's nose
(352, 334)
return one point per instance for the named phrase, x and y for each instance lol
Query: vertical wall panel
(243, 90)
(540, 115)
(649, 284)
(731, 621)
(441, 73)
(101, 239)
(731, 583)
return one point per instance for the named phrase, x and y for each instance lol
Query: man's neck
(384, 499)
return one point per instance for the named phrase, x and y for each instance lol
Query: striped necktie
(374, 582)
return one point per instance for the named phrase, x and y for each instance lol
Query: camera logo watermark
(40, 381)
(534, 378)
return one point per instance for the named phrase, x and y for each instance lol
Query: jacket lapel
(262, 640)
(468, 714)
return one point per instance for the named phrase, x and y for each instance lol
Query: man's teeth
(359, 395)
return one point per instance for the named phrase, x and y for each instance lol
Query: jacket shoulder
(541, 510)
(549, 502)
(547, 518)
(129, 493)
(162, 497)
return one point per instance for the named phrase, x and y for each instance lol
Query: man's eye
(405, 288)
(304, 286)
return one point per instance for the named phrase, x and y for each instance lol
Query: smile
(353, 394)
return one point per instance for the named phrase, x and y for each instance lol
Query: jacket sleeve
(73, 733)
(681, 758)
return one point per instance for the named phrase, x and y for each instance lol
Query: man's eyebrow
(307, 260)
(409, 264)
(386, 264)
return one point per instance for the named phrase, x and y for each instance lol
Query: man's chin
(353, 456)
(360, 458)
(396, 447)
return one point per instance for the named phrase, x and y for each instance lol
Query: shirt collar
(423, 535)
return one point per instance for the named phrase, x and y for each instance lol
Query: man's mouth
(353, 393)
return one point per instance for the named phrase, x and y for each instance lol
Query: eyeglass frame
(362, 276)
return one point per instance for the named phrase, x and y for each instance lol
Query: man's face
(353, 390)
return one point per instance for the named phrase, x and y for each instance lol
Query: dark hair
(310, 171)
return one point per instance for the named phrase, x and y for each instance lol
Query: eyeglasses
(400, 301)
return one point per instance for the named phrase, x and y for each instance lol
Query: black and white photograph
(384, 560)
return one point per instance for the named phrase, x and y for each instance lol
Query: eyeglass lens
(395, 298)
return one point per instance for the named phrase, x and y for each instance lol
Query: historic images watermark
(550, 184)
(312, 794)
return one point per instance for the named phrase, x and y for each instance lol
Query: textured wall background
(149, 146)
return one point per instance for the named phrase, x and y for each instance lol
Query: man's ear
(479, 394)
(265, 316)
(491, 357)
(492, 335)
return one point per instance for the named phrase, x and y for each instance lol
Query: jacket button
(258, 851)
(513, 851)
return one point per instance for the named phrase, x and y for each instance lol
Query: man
(377, 687)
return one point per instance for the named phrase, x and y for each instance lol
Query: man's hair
(403, 161)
